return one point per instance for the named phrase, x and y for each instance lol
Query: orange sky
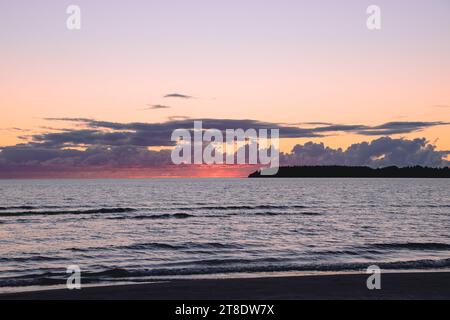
(314, 67)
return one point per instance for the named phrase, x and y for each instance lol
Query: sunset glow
(223, 60)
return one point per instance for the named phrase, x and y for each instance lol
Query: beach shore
(427, 285)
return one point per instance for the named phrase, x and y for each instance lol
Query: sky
(286, 63)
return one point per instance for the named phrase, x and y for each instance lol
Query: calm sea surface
(139, 230)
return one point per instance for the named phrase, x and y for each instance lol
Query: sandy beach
(430, 285)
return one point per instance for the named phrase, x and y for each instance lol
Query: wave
(65, 212)
(349, 252)
(225, 262)
(155, 217)
(270, 213)
(241, 207)
(15, 211)
(30, 207)
(36, 258)
(211, 267)
(420, 206)
(435, 206)
(181, 246)
(380, 248)
(413, 246)
(270, 265)
(186, 216)
(18, 208)
(164, 246)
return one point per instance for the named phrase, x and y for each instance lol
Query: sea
(135, 231)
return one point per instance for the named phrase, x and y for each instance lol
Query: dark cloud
(178, 95)
(153, 134)
(158, 134)
(15, 129)
(38, 156)
(392, 128)
(157, 107)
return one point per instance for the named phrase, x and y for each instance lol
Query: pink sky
(276, 61)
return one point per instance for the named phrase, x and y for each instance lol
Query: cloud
(40, 155)
(42, 161)
(392, 128)
(15, 129)
(122, 145)
(178, 95)
(157, 106)
(177, 118)
(381, 152)
(152, 134)
(158, 134)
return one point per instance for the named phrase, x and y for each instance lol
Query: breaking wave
(211, 267)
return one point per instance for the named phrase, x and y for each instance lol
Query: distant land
(356, 172)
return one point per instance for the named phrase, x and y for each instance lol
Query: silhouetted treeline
(357, 172)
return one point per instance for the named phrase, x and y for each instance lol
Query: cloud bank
(381, 152)
(118, 146)
(158, 134)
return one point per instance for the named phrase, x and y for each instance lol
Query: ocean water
(141, 230)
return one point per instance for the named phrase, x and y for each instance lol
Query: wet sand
(430, 285)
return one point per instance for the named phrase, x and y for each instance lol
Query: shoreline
(394, 286)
